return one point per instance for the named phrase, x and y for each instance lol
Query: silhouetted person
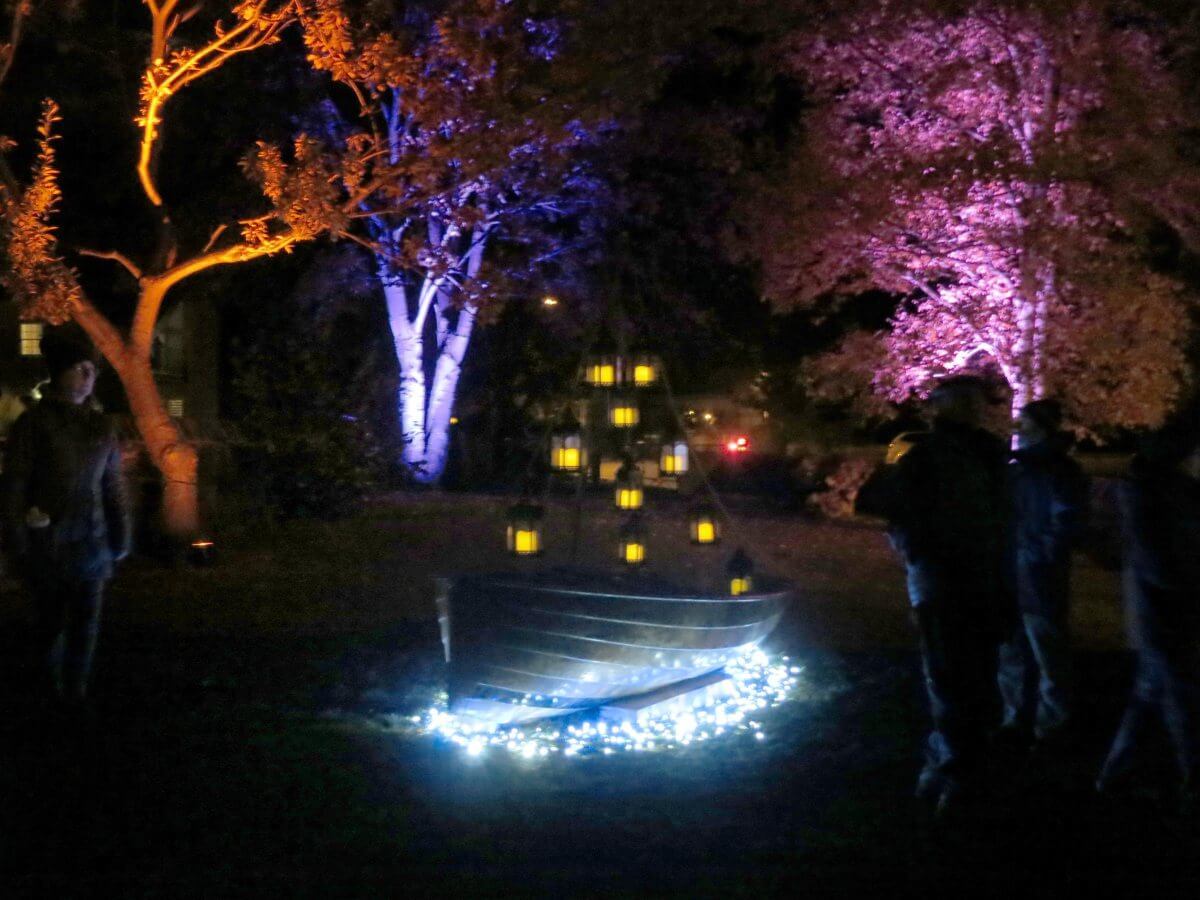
(1160, 524)
(65, 512)
(1049, 507)
(946, 505)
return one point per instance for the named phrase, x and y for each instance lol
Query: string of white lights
(757, 683)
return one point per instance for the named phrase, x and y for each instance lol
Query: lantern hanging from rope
(645, 367)
(631, 546)
(741, 573)
(629, 493)
(673, 458)
(524, 535)
(604, 367)
(704, 526)
(624, 412)
(567, 453)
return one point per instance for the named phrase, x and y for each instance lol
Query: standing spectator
(1050, 498)
(65, 513)
(1160, 523)
(946, 505)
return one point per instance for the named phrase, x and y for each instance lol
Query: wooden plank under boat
(526, 646)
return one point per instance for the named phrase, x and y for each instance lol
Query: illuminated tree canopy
(994, 164)
(479, 146)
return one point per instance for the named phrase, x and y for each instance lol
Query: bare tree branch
(121, 258)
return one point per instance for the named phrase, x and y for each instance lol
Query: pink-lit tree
(993, 163)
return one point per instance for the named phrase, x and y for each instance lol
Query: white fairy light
(757, 681)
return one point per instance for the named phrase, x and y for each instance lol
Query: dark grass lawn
(241, 744)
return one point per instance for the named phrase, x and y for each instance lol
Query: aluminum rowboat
(522, 647)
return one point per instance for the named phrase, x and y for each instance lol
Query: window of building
(175, 407)
(31, 338)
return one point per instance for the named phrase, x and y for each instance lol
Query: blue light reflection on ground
(759, 682)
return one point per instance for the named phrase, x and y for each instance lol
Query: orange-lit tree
(314, 188)
(47, 288)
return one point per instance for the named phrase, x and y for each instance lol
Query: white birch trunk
(452, 350)
(409, 343)
(443, 390)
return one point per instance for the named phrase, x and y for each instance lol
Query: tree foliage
(995, 164)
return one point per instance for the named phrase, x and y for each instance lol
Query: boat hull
(524, 647)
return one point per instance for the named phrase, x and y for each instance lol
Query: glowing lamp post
(704, 525)
(673, 460)
(629, 493)
(624, 413)
(567, 453)
(604, 366)
(631, 546)
(524, 536)
(741, 573)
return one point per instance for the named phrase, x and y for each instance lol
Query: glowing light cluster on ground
(758, 683)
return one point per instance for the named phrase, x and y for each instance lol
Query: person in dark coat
(1049, 506)
(1160, 523)
(947, 510)
(65, 513)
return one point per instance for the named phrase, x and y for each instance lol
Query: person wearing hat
(1049, 505)
(946, 503)
(65, 513)
(1160, 524)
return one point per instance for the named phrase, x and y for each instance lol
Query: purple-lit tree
(459, 97)
(993, 163)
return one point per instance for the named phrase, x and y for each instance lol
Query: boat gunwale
(593, 640)
(572, 615)
(782, 593)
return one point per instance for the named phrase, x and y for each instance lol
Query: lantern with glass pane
(623, 412)
(524, 535)
(604, 367)
(629, 493)
(704, 526)
(567, 453)
(673, 457)
(741, 573)
(644, 368)
(631, 544)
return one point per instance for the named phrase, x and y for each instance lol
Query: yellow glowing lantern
(604, 367)
(741, 573)
(704, 525)
(624, 413)
(673, 460)
(645, 369)
(631, 547)
(629, 493)
(524, 536)
(567, 453)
